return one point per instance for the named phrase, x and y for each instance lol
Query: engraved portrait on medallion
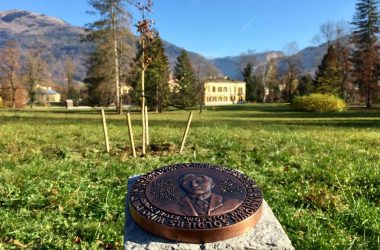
(199, 199)
(196, 193)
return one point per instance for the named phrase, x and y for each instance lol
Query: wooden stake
(186, 132)
(146, 126)
(143, 130)
(143, 100)
(105, 131)
(131, 135)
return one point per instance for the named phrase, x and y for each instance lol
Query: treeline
(350, 69)
(20, 73)
(24, 71)
(160, 90)
(115, 69)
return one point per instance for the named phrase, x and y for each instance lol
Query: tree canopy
(186, 94)
(365, 56)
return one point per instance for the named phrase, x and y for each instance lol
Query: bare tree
(342, 45)
(210, 72)
(330, 32)
(293, 64)
(146, 36)
(336, 34)
(326, 33)
(271, 81)
(10, 69)
(35, 73)
(246, 58)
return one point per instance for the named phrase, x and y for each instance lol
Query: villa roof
(48, 92)
(223, 80)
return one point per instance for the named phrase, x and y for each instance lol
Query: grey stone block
(267, 234)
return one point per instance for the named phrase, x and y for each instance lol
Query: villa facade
(223, 91)
(47, 94)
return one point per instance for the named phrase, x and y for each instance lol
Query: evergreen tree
(305, 85)
(250, 94)
(290, 81)
(186, 95)
(106, 34)
(344, 64)
(328, 77)
(100, 77)
(156, 76)
(365, 57)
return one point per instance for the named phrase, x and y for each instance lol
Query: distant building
(173, 85)
(224, 91)
(47, 94)
(125, 90)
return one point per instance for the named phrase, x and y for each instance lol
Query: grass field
(320, 173)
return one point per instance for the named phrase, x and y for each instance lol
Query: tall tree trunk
(369, 100)
(157, 100)
(370, 62)
(13, 98)
(203, 93)
(13, 92)
(119, 109)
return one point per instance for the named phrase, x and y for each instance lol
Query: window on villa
(220, 99)
(213, 89)
(225, 89)
(220, 89)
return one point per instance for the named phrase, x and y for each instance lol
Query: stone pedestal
(267, 234)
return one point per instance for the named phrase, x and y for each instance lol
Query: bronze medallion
(195, 202)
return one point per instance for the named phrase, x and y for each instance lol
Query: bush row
(319, 103)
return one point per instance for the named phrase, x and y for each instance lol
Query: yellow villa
(47, 94)
(223, 91)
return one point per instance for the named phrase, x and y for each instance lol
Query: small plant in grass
(319, 103)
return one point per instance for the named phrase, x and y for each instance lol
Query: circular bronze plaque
(195, 202)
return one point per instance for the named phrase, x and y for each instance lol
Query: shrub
(1, 103)
(319, 103)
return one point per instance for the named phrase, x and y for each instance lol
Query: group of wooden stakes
(145, 134)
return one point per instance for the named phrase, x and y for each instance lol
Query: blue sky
(217, 28)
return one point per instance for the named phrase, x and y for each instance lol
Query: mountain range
(59, 40)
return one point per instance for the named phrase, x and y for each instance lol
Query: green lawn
(320, 173)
